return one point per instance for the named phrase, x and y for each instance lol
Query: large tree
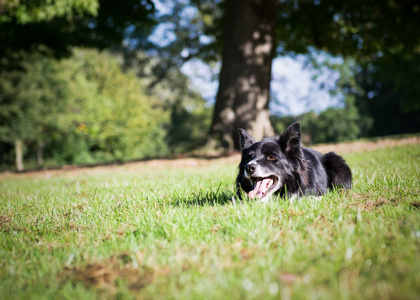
(254, 31)
(244, 87)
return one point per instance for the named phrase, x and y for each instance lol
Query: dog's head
(268, 164)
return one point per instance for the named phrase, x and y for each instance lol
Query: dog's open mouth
(263, 187)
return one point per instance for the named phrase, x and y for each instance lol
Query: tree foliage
(86, 108)
(347, 28)
(31, 98)
(391, 98)
(356, 28)
(23, 12)
(333, 125)
(189, 113)
(53, 27)
(112, 111)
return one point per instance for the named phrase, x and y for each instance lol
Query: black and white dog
(281, 166)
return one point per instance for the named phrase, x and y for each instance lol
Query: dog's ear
(245, 139)
(290, 140)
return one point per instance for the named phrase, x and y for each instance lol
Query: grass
(167, 232)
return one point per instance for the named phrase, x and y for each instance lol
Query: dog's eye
(271, 157)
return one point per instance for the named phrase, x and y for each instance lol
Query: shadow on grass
(212, 197)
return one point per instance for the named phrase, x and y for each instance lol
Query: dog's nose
(250, 169)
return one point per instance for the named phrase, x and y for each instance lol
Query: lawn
(169, 230)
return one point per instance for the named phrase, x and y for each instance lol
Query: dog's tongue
(260, 188)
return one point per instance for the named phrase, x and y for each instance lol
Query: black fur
(292, 169)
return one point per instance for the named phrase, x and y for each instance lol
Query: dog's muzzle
(263, 185)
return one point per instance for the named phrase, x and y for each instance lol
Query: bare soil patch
(104, 274)
(369, 202)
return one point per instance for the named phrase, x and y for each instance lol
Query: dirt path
(362, 146)
(341, 148)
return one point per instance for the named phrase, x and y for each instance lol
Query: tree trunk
(40, 152)
(19, 154)
(244, 87)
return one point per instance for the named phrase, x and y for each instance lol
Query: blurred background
(97, 81)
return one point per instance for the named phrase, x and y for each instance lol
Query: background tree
(31, 100)
(391, 98)
(244, 86)
(360, 29)
(111, 111)
(84, 109)
(50, 28)
(178, 41)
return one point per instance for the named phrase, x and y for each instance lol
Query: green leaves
(45, 10)
(28, 97)
(86, 103)
(356, 28)
(113, 114)
(53, 27)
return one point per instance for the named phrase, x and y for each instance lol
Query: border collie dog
(281, 166)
